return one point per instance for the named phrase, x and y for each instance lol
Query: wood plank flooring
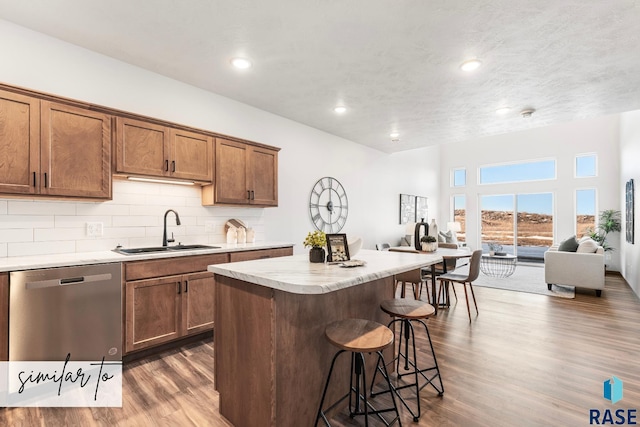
(525, 360)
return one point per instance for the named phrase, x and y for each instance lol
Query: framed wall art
(407, 208)
(337, 248)
(422, 209)
(629, 210)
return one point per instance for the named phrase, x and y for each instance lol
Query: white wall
(561, 142)
(630, 168)
(373, 180)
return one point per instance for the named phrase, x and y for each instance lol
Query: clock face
(328, 205)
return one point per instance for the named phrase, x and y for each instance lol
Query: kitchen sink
(135, 251)
(187, 247)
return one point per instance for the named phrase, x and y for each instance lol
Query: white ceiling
(393, 63)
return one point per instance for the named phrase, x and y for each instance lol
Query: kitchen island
(271, 357)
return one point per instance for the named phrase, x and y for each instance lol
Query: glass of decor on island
(429, 243)
(316, 241)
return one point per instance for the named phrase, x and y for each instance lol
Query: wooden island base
(271, 356)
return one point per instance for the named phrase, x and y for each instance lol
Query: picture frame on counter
(337, 248)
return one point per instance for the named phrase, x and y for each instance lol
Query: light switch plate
(94, 229)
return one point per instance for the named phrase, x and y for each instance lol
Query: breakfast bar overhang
(271, 357)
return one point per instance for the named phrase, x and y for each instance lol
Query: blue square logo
(613, 389)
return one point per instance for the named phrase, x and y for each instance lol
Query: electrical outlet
(209, 226)
(94, 229)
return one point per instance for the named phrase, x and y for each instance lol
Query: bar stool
(407, 311)
(359, 336)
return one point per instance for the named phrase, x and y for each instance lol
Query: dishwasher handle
(68, 281)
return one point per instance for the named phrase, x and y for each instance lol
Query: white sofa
(582, 270)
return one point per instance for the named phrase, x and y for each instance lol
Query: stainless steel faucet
(166, 241)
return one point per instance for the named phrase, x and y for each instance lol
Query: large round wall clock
(328, 205)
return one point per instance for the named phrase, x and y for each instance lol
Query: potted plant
(495, 248)
(316, 240)
(609, 222)
(428, 243)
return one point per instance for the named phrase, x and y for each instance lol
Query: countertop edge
(33, 262)
(320, 285)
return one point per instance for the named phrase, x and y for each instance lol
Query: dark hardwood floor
(525, 360)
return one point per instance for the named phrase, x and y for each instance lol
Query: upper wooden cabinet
(19, 143)
(53, 149)
(245, 174)
(144, 148)
(75, 152)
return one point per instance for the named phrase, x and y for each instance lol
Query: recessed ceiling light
(470, 65)
(241, 63)
(394, 135)
(503, 110)
(340, 109)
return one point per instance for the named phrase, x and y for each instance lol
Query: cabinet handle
(34, 179)
(166, 165)
(173, 166)
(179, 288)
(46, 183)
(186, 286)
(249, 194)
(253, 195)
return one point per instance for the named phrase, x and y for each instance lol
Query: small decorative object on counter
(251, 235)
(429, 243)
(418, 232)
(316, 241)
(433, 229)
(232, 236)
(495, 249)
(241, 235)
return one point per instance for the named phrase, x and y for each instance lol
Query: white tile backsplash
(133, 218)
(33, 207)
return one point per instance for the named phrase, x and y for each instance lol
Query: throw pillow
(569, 245)
(589, 246)
(448, 237)
(441, 238)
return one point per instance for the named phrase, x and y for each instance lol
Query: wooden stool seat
(407, 309)
(359, 335)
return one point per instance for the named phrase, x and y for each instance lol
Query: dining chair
(464, 279)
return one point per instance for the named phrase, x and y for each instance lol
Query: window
(459, 216)
(459, 177)
(517, 172)
(586, 165)
(585, 211)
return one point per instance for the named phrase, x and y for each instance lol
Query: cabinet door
(263, 171)
(19, 143)
(191, 156)
(76, 152)
(231, 184)
(198, 300)
(4, 316)
(141, 148)
(153, 312)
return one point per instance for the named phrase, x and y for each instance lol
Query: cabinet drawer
(137, 270)
(259, 254)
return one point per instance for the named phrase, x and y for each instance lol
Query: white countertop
(102, 257)
(295, 274)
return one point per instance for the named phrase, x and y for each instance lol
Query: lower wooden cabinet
(4, 316)
(168, 299)
(259, 254)
(162, 309)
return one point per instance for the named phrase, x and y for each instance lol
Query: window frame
(520, 162)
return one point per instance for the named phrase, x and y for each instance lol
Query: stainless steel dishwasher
(68, 310)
